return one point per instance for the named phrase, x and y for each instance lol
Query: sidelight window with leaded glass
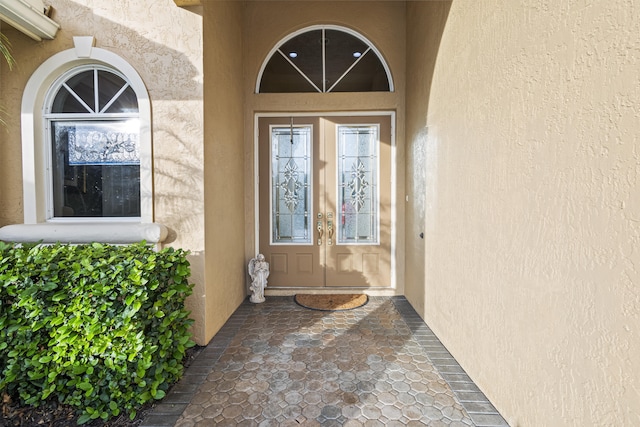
(358, 189)
(291, 177)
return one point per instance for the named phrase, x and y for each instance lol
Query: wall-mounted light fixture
(28, 16)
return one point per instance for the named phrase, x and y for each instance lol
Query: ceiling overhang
(28, 17)
(186, 3)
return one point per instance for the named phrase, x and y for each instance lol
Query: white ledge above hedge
(87, 232)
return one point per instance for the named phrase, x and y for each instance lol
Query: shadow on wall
(179, 184)
(196, 302)
(156, 44)
(166, 59)
(166, 51)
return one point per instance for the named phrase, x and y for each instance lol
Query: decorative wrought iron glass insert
(291, 177)
(358, 196)
(96, 143)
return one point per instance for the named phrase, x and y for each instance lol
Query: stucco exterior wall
(12, 84)
(223, 156)
(533, 226)
(164, 44)
(425, 24)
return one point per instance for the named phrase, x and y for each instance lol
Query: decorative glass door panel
(325, 200)
(358, 184)
(291, 184)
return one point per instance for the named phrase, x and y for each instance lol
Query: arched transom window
(324, 59)
(93, 124)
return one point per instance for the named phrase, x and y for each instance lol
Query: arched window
(92, 121)
(86, 152)
(324, 59)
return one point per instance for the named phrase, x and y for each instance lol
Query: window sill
(85, 232)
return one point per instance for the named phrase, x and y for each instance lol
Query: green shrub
(99, 327)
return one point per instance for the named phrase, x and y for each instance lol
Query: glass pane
(291, 184)
(305, 51)
(324, 60)
(357, 184)
(65, 102)
(110, 85)
(342, 50)
(368, 75)
(95, 169)
(82, 84)
(127, 102)
(280, 77)
(97, 143)
(109, 94)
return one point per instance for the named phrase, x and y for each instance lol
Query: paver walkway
(278, 364)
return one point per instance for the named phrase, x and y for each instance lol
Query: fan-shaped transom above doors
(324, 59)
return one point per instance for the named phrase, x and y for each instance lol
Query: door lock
(320, 228)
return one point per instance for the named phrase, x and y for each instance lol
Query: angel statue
(259, 271)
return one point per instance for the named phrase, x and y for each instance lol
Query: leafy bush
(99, 327)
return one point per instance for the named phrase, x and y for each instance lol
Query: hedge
(102, 328)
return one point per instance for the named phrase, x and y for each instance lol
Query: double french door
(325, 200)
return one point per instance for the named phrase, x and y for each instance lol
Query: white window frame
(38, 224)
(50, 117)
(36, 186)
(276, 49)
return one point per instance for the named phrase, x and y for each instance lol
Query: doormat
(332, 302)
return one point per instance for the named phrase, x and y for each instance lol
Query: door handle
(320, 228)
(330, 230)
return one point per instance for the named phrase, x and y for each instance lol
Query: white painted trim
(325, 27)
(394, 181)
(34, 151)
(394, 195)
(87, 232)
(256, 185)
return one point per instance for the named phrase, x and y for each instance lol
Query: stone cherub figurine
(259, 271)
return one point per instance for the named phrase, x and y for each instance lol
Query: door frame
(391, 114)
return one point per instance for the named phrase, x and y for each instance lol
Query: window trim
(35, 164)
(355, 34)
(49, 118)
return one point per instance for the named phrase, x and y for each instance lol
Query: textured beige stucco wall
(425, 24)
(223, 154)
(533, 235)
(11, 85)
(267, 23)
(164, 44)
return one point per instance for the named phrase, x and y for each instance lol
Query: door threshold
(375, 292)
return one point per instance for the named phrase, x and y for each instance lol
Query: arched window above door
(324, 59)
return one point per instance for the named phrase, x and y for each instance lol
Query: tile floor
(278, 364)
